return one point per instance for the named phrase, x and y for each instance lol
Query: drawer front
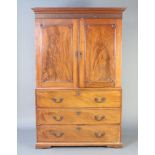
(78, 116)
(78, 133)
(82, 98)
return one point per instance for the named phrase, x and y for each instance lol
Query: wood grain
(100, 53)
(97, 66)
(57, 54)
(75, 133)
(78, 116)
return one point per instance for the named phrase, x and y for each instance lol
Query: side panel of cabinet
(100, 47)
(56, 46)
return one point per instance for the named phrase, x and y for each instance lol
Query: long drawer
(78, 116)
(78, 133)
(82, 98)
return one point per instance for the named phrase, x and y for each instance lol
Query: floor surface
(26, 146)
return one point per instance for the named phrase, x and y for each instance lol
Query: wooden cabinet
(78, 76)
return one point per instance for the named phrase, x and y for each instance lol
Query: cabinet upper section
(78, 12)
(78, 53)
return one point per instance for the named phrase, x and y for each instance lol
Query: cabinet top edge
(78, 10)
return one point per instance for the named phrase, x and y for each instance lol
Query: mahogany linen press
(78, 76)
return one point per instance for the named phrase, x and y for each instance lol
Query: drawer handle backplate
(56, 134)
(58, 118)
(100, 100)
(99, 134)
(57, 100)
(99, 118)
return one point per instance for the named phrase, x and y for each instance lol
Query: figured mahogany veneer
(78, 76)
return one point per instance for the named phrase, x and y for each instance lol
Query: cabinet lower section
(83, 117)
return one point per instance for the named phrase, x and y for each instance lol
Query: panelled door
(100, 58)
(56, 42)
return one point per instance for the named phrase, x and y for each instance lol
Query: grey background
(26, 75)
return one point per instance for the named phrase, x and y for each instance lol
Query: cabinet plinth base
(45, 145)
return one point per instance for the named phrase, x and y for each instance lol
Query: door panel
(98, 48)
(99, 54)
(56, 55)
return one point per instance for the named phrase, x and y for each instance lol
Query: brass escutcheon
(78, 93)
(78, 112)
(78, 128)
